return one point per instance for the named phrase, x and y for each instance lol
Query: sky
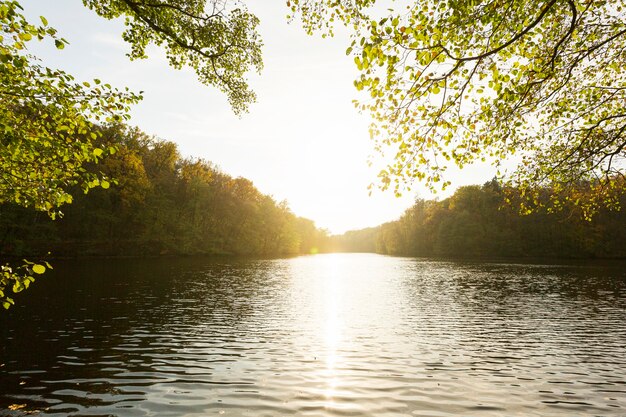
(302, 141)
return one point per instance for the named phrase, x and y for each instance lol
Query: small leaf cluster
(17, 279)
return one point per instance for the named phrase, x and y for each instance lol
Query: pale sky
(302, 141)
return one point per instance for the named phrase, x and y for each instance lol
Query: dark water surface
(324, 335)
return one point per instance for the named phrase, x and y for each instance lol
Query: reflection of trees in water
(129, 323)
(481, 286)
(502, 317)
(508, 284)
(466, 296)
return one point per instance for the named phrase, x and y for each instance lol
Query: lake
(322, 335)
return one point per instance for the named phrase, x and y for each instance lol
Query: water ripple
(327, 335)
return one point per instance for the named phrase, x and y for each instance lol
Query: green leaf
(39, 269)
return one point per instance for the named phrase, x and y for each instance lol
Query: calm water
(324, 335)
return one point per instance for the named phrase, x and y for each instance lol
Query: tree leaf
(39, 269)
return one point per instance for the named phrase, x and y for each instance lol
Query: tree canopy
(217, 38)
(453, 82)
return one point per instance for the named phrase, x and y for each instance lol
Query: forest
(163, 204)
(158, 203)
(477, 221)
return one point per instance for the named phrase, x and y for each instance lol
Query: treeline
(474, 222)
(159, 203)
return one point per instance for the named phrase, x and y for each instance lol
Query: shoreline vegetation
(158, 203)
(477, 223)
(162, 204)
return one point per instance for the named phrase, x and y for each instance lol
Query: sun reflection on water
(332, 327)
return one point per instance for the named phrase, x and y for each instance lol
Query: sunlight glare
(332, 325)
